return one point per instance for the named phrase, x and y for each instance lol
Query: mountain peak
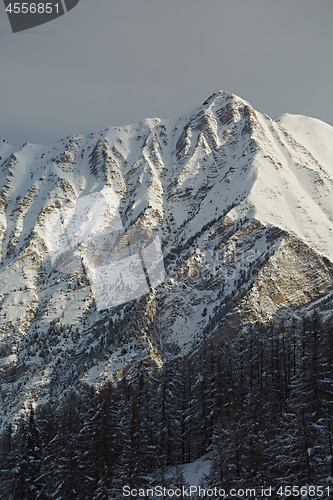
(241, 204)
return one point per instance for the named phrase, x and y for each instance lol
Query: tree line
(259, 405)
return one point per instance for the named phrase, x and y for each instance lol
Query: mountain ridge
(244, 212)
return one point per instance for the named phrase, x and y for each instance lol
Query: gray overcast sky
(112, 62)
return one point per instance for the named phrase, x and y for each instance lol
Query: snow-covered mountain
(243, 206)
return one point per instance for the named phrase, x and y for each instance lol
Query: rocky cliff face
(243, 206)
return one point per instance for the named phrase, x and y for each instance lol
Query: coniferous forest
(258, 404)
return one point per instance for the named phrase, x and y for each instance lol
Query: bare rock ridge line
(243, 206)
